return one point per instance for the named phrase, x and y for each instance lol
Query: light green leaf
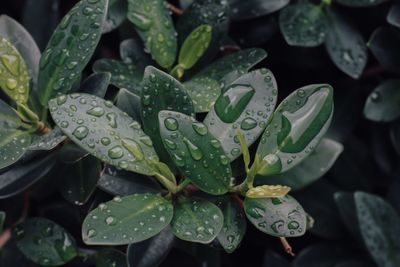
(283, 217)
(196, 220)
(116, 14)
(8, 117)
(360, 3)
(380, 228)
(14, 77)
(70, 48)
(47, 141)
(303, 24)
(102, 129)
(44, 242)
(246, 104)
(196, 153)
(244, 148)
(206, 86)
(126, 220)
(13, 145)
(297, 126)
(154, 25)
(265, 191)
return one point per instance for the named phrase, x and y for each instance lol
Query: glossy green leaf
(13, 145)
(196, 153)
(161, 91)
(205, 87)
(132, 52)
(383, 44)
(283, 217)
(96, 84)
(122, 75)
(154, 25)
(8, 117)
(234, 226)
(194, 46)
(244, 148)
(111, 258)
(45, 242)
(129, 103)
(2, 220)
(348, 214)
(380, 227)
(47, 141)
(345, 45)
(316, 165)
(70, 48)
(383, 103)
(246, 104)
(360, 3)
(268, 191)
(249, 9)
(297, 126)
(105, 131)
(79, 180)
(393, 16)
(197, 220)
(116, 14)
(72, 153)
(14, 77)
(126, 220)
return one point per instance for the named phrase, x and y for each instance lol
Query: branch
(177, 11)
(287, 246)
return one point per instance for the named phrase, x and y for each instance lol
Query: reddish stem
(177, 11)
(288, 248)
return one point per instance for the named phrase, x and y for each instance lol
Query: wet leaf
(126, 220)
(380, 227)
(287, 140)
(47, 141)
(393, 16)
(303, 24)
(116, 14)
(13, 145)
(132, 52)
(70, 48)
(154, 25)
(96, 84)
(129, 103)
(360, 3)
(14, 77)
(44, 242)
(111, 258)
(345, 45)
(383, 44)
(196, 153)
(102, 129)
(196, 220)
(265, 191)
(250, 9)
(8, 117)
(283, 217)
(247, 104)
(206, 86)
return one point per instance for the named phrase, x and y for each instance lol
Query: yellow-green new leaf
(265, 191)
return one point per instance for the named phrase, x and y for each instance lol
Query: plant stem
(182, 185)
(287, 246)
(175, 10)
(166, 182)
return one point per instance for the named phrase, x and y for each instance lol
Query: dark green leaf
(47, 141)
(161, 91)
(303, 24)
(283, 217)
(71, 153)
(2, 220)
(13, 145)
(234, 226)
(383, 44)
(96, 84)
(249, 9)
(155, 27)
(287, 140)
(126, 220)
(116, 14)
(246, 104)
(151, 252)
(129, 103)
(197, 154)
(347, 211)
(105, 131)
(360, 3)
(132, 52)
(45, 242)
(345, 45)
(8, 117)
(273, 259)
(393, 16)
(70, 48)
(380, 227)
(205, 87)
(111, 258)
(197, 220)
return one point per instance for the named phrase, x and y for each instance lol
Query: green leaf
(345, 45)
(116, 14)
(380, 228)
(70, 48)
(13, 145)
(111, 258)
(383, 44)
(79, 180)
(196, 153)
(316, 165)
(96, 84)
(234, 226)
(72, 153)
(154, 25)
(14, 77)
(268, 191)
(250, 9)
(194, 46)
(102, 129)
(246, 104)
(382, 104)
(206, 86)
(244, 148)
(393, 16)
(2, 220)
(283, 217)
(8, 117)
(45, 242)
(123, 75)
(360, 3)
(197, 220)
(47, 141)
(348, 214)
(126, 220)
(303, 24)
(132, 52)
(297, 126)
(161, 91)
(129, 103)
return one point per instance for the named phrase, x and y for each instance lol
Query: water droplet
(140, 20)
(110, 220)
(96, 111)
(134, 148)
(116, 152)
(200, 128)
(194, 151)
(11, 83)
(171, 124)
(64, 124)
(224, 159)
(170, 144)
(11, 63)
(375, 96)
(215, 143)
(61, 57)
(105, 141)
(81, 132)
(91, 233)
(301, 93)
(248, 124)
(146, 140)
(112, 119)
(178, 160)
